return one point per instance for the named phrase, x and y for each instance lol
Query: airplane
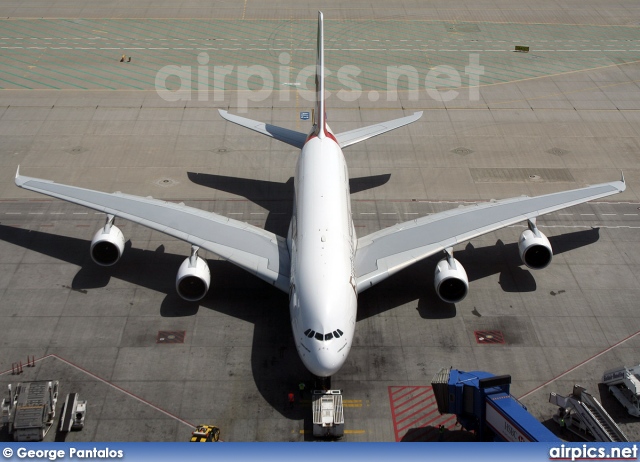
(321, 262)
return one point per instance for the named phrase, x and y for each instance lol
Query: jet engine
(451, 281)
(194, 277)
(535, 248)
(107, 245)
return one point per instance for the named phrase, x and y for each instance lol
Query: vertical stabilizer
(320, 118)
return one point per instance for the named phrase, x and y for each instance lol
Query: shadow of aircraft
(416, 281)
(275, 364)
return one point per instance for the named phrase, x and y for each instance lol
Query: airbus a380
(321, 263)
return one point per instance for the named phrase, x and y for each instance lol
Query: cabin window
(306, 332)
(328, 336)
(310, 333)
(340, 332)
(336, 334)
(319, 336)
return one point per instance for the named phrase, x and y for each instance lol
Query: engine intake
(535, 248)
(194, 278)
(107, 245)
(451, 281)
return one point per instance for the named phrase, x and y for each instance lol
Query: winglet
(622, 177)
(19, 180)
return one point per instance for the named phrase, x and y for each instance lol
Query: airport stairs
(584, 415)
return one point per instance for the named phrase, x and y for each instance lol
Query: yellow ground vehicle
(205, 434)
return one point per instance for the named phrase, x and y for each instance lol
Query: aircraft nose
(325, 363)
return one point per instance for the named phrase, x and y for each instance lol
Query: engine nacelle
(535, 249)
(193, 280)
(451, 281)
(107, 245)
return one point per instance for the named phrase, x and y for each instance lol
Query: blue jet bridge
(483, 404)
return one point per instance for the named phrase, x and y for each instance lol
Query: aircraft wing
(360, 134)
(385, 252)
(258, 251)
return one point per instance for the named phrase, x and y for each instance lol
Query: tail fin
(320, 116)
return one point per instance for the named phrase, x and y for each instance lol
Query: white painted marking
(81, 213)
(36, 213)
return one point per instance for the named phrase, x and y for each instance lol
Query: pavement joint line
(580, 364)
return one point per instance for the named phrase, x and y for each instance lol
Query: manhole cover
(223, 150)
(170, 336)
(165, 182)
(534, 177)
(489, 336)
(558, 151)
(461, 151)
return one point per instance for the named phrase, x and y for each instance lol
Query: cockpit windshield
(323, 337)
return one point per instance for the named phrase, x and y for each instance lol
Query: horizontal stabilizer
(360, 134)
(285, 135)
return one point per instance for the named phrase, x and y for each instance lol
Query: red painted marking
(489, 337)
(415, 415)
(420, 418)
(429, 399)
(422, 409)
(411, 389)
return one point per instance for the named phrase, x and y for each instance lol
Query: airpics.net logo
(257, 83)
(587, 452)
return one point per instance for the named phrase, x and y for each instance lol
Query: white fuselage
(322, 242)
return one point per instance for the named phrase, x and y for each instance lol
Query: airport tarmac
(152, 366)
